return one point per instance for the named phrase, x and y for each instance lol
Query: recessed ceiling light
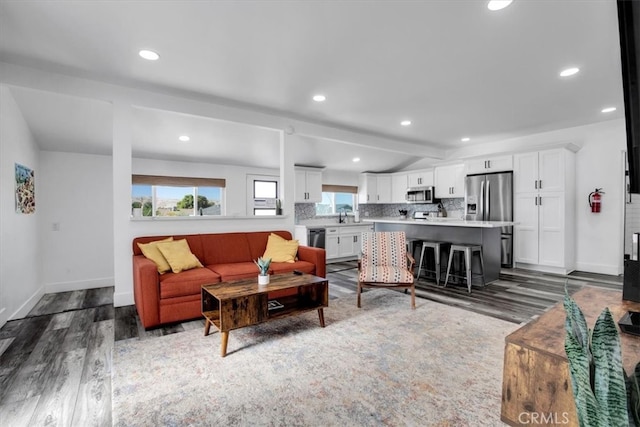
(465, 139)
(569, 71)
(149, 54)
(498, 4)
(609, 110)
(184, 138)
(319, 98)
(405, 122)
(356, 159)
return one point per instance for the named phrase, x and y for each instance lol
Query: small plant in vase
(136, 209)
(263, 265)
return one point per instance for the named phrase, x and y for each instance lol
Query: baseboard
(611, 270)
(28, 305)
(123, 299)
(343, 259)
(545, 269)
(52, 288)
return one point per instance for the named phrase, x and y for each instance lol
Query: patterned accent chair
(385, 263)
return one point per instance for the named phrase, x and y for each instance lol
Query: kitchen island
(453, 230)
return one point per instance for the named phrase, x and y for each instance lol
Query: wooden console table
(233, 305)
(536, 386)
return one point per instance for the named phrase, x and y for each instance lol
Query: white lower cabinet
(343, 242)
(540, 233)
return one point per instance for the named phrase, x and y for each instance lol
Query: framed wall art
(25, 190)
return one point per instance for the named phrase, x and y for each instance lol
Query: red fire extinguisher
(595, 200)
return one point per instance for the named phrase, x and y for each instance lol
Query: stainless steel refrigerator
(489, 197)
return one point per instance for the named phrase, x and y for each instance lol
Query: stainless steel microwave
(420, 195)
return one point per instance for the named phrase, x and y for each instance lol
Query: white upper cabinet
(374, 188)
(525, 176)
(489, 164)
(551, 170)
(367, 188)
(384, 189)
(420, 178)
(308, 186)
(449, 181)
(540, 171)
(399, 184)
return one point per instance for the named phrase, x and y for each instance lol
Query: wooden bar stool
(437, 247)
(468, 251)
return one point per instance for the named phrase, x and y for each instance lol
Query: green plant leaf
(633, 395)
(575, 323)
(609, 385)
(587, 407)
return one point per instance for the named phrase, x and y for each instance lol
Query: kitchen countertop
(440, 221)
(328, 223)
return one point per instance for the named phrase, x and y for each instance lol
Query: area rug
(382, 364)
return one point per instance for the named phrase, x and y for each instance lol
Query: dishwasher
(315, 237)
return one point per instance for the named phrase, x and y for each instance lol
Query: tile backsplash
(453, 207)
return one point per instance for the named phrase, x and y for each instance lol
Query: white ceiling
(453, 68)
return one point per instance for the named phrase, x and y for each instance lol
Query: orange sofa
(173, 297)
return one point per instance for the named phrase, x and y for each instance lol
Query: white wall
(76, 199)
(333, 177)
(20, 256)
(599, 238)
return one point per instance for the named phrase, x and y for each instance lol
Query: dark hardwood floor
(55, 364)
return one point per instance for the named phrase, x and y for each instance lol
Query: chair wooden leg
(358, 293)
(413, 296)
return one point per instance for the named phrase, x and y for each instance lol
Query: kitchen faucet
(340, 219)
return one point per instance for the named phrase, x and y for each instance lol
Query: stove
(424, 215)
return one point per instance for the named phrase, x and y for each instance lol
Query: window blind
(340, 189)
(177, 181)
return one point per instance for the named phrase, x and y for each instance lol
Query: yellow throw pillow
(150, 251)
(281, 250)
(179, 256)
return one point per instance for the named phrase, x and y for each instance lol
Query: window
(265, 193)
(160, 196)
(336, 199)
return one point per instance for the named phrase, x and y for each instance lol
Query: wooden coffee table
(233, 305)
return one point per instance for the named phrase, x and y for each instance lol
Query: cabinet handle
(536, 200)
(355, 239)
(367, 197)
(488, 164)
(536, 184)
(338, 240)
(540, 184)
(540, 202)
